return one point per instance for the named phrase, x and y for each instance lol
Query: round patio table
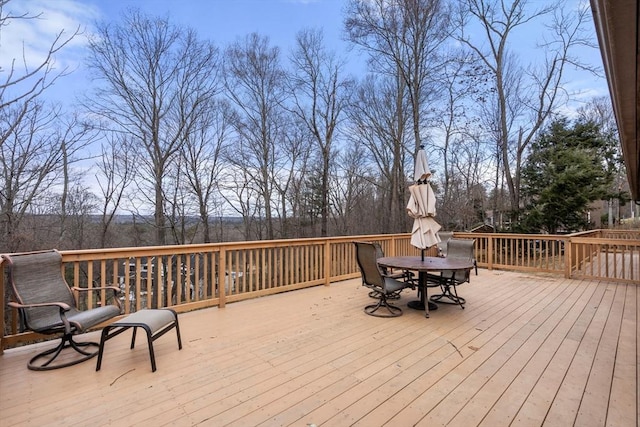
(423, 266)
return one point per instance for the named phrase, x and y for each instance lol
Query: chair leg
(377, 294)
(36, 364)
(452, 297)
(383, 304)
(455, 297)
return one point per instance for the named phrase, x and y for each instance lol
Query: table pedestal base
(419, 305)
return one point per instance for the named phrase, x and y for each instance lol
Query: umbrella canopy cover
(422, 207)
(421, 171)
(422, 201)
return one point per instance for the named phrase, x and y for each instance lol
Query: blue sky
(221, 21)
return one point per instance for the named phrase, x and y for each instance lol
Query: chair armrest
(406, 276)
(410, 278)
(63, 307)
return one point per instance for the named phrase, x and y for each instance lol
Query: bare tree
(403, 38)
(203, 159)
(295, 170)
(31, 159)
(157, 80)
(462, 144)
(465, 202)
(73, 135)
(525, 95)
(180, 205)
(24, 82)
(255, 81)
(600, 111)
(319, 93)
(76, 231)
(36, 156)
(353, 194)
(378, 116)
(116, 171)
(242, 196)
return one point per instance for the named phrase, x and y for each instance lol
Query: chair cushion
(155, 319)
(84, 320)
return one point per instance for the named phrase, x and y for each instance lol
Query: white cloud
(28, 40)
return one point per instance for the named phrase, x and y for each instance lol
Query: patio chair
(47, 305)
(404, 275)
(434, 280)
(385, 287)
(450, 279)
(442, 245)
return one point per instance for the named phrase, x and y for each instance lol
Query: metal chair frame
(450, 279)
(46, 304)
(384, 288)
(404, 276)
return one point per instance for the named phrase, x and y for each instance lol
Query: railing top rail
(585, 233)
(108, 253)
(83, 254)
(513, 235)
(606, 241)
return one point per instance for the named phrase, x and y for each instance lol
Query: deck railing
(189, 277)
(522, 252)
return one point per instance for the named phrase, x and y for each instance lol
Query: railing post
(222, 278)
(568, 258)
(327, 263)
(490, 252)
(2, 304)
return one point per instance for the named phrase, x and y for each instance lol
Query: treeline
(289, 142)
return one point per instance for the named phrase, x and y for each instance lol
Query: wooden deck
(528, 350)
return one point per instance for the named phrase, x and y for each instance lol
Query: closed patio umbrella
(421, 171)
(422, 206)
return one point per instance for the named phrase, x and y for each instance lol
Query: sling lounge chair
(47, 305)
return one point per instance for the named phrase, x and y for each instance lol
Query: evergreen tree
(565, 172)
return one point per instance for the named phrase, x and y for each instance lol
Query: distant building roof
(483, 228)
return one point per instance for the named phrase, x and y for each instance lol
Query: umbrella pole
(422, 251)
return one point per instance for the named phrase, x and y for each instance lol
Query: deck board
(593, 407)
(503, 376)
(516, 394)
(528, 349)
(569, 397)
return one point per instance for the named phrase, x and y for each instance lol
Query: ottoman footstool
(156, 322)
